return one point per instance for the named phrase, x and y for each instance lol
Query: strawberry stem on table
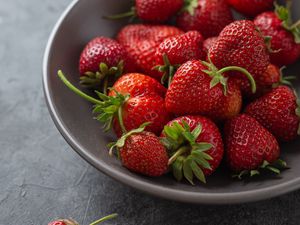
(111, 216)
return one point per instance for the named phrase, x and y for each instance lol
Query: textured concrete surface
(41, 178)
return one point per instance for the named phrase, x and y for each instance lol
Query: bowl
(82, 21)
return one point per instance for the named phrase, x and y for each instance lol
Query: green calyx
(297, 111)
(284, 80)
(268, 43)
(121, 142)
(218, 77)
(131, 14)
(102, 77)
(274, 167)
(284, 14)
(167, 69)
(106, 107)
(190, 6)
(188, 158)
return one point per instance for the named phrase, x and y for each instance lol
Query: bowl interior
(83, 21)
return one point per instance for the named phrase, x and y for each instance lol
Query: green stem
(242, 70)
(178, 153)
(76, 90)
(171, 74)
(105, 85)
(121, 121)
(131, 13)
(111, 216)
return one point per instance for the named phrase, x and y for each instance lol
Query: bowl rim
(152, 189)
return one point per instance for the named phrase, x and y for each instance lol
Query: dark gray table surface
(42, 178)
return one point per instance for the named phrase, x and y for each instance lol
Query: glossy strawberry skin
(240, 44)
(265, 82)
(208, 43)
(181, 48)
(142, 109)
(210, 134)
(276, 112)
(64, 222)
(251, 8)
(57, 223)
(190, 92)
(144, 154)
(282, 40)
(248, 144)
(140, 42)
(229, 106)
(209, 18)
(103, 50)
(157, 10)
(136, 84)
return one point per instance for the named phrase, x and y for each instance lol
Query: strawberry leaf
(197, 171)
(177, 168)
(190, 6)
(187, 170)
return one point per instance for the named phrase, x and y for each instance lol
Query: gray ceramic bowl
(82, 21)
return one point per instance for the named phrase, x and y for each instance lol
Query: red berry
(240, 44)
(285, 50)
(208, 43)
(144, 154)
(251, 7)
(140, 42)
(208, 17)
(248, 144)
(136, 84)
(277, 111)
(157, 10)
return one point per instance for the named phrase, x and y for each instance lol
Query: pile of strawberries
(183, 96)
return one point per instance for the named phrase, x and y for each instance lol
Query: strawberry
(153, 11)
(200, 88)
(240, 44)
(208, 43)
(176, 50)
(142, 152)
(136, 84)
(130, 112)
(73, 222)
(285, 37)
(195, 146)
(251, 8)
(279, 112)
(141, 109)
(141, 41)
(101, 59)
(208, 17)
(250, 147)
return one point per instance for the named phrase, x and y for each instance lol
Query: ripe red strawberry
(130, 112)
(63, 222)
(102, 58)
(208, 43)
(285, 37)
(73, 222)
(136, 84)
(142, 152)
(240, 44)
(251, 8)
(278, 112)
(153, 11)
(208, 17)
(176, 50)
(157, 10)
(141, 109)
(195, 145)
(250, 147)
(140, 42)
(230, 104)
(200, 88)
